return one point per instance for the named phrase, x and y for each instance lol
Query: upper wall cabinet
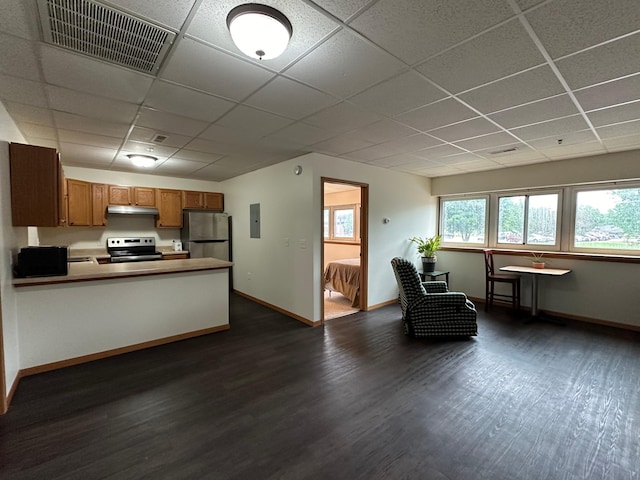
(169, 203)
(141, 196)
(203, 200)
(99, 202)
(78, 203)
(37, 186)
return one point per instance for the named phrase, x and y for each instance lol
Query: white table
(535, 274)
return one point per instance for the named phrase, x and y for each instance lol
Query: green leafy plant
(537, 257)
(427, 246)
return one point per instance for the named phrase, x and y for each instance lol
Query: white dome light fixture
(144, 161)
(259, 31)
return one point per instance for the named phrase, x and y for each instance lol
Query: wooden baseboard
(118, 351)
(383, 304)
(306, 321)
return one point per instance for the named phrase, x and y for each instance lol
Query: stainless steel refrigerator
(206, 234)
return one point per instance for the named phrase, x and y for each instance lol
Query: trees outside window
(464, 221)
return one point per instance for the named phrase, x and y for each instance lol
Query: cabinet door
(63, 197)
(79, 203)
(192, 199)
(119, 195)
(214, 201)
(169, 203)
(99, 204)
(35, 186)
(144, 196)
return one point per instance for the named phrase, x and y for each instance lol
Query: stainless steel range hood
(131, 210)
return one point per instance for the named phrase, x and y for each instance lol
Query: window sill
(590, 257)
(341, 242)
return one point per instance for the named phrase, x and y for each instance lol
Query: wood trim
(336, 242)
(119, 351)
(306, 321)
(383, 304)
(590, 257)
(4, 398)
(12, 392)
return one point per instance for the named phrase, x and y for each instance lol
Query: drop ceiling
(427, 87)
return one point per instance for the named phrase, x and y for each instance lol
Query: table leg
(534, 295)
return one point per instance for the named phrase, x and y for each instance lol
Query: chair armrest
(452, 299)
(435, 287)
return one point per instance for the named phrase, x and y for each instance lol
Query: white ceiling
(429, 87)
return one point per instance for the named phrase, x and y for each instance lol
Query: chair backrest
(409, 282)
(488, 262)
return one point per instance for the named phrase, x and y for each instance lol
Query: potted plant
(537, 260)
(427, 247)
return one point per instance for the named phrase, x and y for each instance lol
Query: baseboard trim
(383, 304)
(306, 321)
(568, 316)
(117, 351)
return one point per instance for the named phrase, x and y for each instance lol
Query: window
(528, 219)
(607, 219)
(464, 221)
(341, 223)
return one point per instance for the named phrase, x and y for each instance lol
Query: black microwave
(42, 261)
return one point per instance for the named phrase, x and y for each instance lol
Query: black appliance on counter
(132, 249)
(42, 261)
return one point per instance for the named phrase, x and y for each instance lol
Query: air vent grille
(96, 30)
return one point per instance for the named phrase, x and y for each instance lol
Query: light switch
(286, 242)
(303, 243)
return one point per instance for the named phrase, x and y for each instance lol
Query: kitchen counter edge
(91, 271)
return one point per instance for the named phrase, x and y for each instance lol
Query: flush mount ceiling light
(145, 161)
(259, 31)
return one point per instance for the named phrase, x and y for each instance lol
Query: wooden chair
(492, 278)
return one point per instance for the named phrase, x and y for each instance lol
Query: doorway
(344, 247)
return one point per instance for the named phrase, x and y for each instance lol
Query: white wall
(290, 276)
(10, 239)
(594, 289)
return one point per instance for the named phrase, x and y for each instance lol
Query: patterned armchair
(429, 308)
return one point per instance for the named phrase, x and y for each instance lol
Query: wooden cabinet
(175, 256)
(144, 196)
(169, 203)
(99, 202)
(203, 200)
(78, 203)
(119, 195)
(141, 196)
(37, 186)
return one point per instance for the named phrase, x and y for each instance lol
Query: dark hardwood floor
(356, 399)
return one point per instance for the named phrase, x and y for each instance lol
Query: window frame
(487, 208)
(573, 194)
(356, 223)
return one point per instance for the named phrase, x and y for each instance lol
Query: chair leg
(486, 296)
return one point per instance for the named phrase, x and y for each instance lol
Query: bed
(344, 276)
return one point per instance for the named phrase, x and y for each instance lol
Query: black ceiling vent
(88, 27)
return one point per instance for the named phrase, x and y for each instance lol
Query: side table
(434, 275)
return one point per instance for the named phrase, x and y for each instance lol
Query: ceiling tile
(69, 121)
(494, 141)
(467, 129)
(142, 134)
(38, 131)
(41, 142)
(602, 63)
(610, 93)
(525, 87)
(556, 128)
(526, 4)
(340, 145)
(460, 159)
(92, 106)
(231, 136)
(397, 95)
(619, 129)
(196, 65)
(18, 58)
(342, 118)
(506, 151)
(79, 72)
(80, 138)
(413, 143)
(84, 155)
(193, 156)
(619, 144)
(186, 102)
(217, 173)
(372, 153)
(206, 146)
(540, 111)
(148, 149)
(436, 153)
(383, 131)
(168, 122)
(309, 28)
(343, 9)
(478, 166)
(303, 134)
(17, 17)
(395, 160)
(252, 120)
(571, 138)
(174, 166)
(522, 156)
(20, 90)
(28, 113)
(566, 26)
(493, 55)
(289, 98)
(171, 13)
(436, 115)
(608, 116)
(345, 65)
(397, 24)
(573, 151)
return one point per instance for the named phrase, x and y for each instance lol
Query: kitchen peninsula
(98, 311)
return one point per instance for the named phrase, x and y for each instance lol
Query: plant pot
(538, 264)
(428, 264)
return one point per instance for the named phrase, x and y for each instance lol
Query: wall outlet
(286, 242)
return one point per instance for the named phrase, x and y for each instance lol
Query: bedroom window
(341, 223)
